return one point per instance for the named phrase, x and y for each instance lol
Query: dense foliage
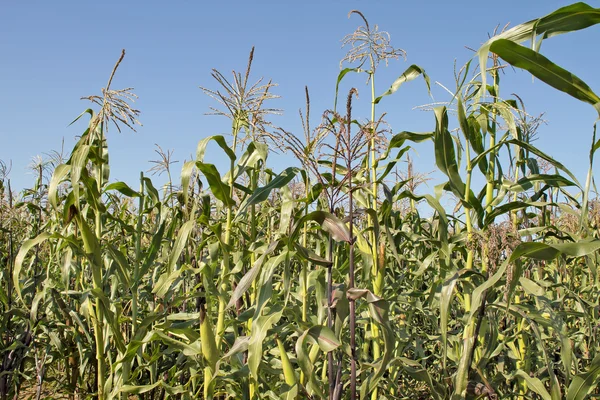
(329, 280)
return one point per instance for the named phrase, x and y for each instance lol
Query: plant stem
(469, 223)
(138, 255)
(378, 273)
(98, 281)
(351, 273)
(588, 183)
(330, 370)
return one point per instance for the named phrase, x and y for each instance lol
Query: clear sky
(54, 52)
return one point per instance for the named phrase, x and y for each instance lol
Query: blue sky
(53, 53)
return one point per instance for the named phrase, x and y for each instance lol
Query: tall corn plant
(88, 172)
(369, 47)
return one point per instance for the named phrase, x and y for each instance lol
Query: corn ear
(207, 337)
(288, 369)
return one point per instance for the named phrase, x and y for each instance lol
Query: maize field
(328, 278)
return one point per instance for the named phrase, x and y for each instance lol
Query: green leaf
(219, 189)
(531, 287)
(255, 152)
(165, 281)
(534, 384)
(379, 310)
(329, 222)
(530, 148)
(445, 301)
(186, 174)
(260, 327)
(339, 79)
(123, 268)
(411, 73)
(109, 315)
(220, 140)
(566, 19)
(445, 155)
(327, 341)
(583, 383)
(92, 250)
(510, 206)
(246, 281)
(139, 389)
(527, 183)
(399, 139)
(596, 146)
(549, 251)
(417, 372)
(239, 346)
(469, 127)
(57, 177)
(311, 256)
(25, 248)
(87, 111)
(545, 70)
(78, 163)
(288, 205)
(152, 252)
(123, 188)
(324, 337)
(151, 190)
(262, 193)
(180, 242)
